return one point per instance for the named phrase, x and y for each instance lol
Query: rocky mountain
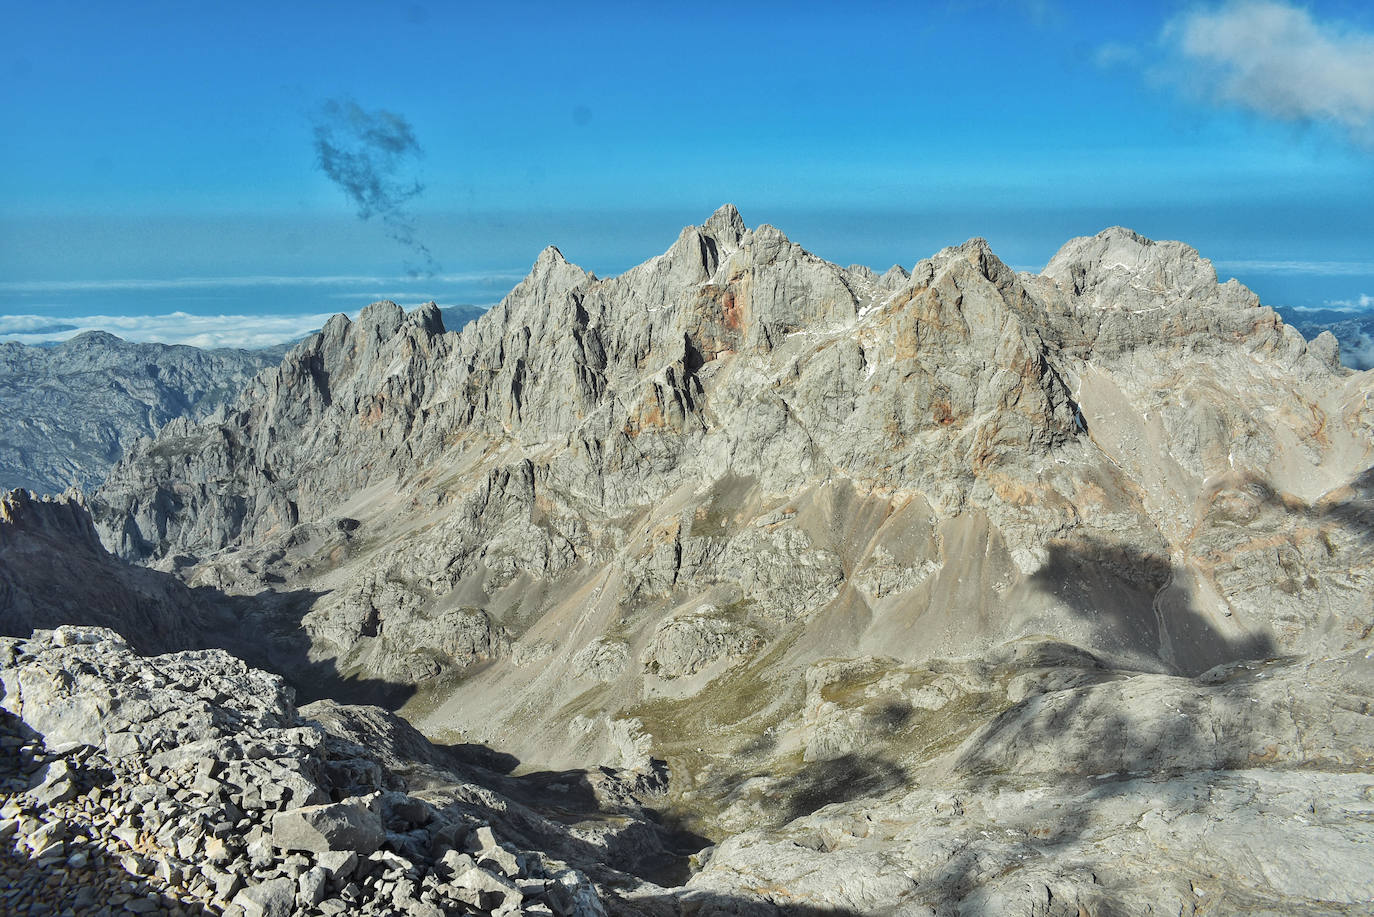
(954, 591)
(68, 412)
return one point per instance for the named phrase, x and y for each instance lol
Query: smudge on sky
(363, 152)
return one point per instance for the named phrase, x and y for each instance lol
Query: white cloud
(33, 324)
(1276, 59)
(1358, 304)
(248, 331)
(1358, 353)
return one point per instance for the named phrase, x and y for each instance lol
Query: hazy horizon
(272, 165)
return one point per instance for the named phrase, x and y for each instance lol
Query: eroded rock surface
(1246, 790)
(69, 412)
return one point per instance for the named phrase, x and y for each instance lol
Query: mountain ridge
(953, 391)
(810, 554)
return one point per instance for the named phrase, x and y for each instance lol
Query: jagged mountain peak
(94, 338)
(377, 323)
(384, 317)
(820, 545)
(1124, 233)
(972, 259)
(725, 225)
(551, 275)
(894, 276)
(763, 365)
(550, 255)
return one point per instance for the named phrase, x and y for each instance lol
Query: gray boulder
(273, 898)
(342, 826)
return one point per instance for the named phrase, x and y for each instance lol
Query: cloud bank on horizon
(1276, 60)
(209, 331)
(1360, 303)
(362, 152)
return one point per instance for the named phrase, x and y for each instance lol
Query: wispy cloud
(1326, 268)
(1273, 58)
(249, 331)
(1278, 60)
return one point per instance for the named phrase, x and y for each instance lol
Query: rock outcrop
(190, 783)
(69, 412)
(1246, 790)
(54, 571)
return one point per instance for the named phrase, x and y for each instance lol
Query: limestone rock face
(68, 412)
(768, 535)
(54, 571)
(1127, 794)
(1111, 406)
(1120, 452)
(686, 644)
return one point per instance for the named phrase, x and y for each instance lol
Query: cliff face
(813, 536)
(70, 411)
(54, 570)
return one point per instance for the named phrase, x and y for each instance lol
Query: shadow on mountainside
(1137, 602)
(1126, 740)
(640, 840)
(1357, 511)
(54, 571)
(1103, 755)
(1351, 507)
(268, 634)
(843, 779)
(1083, 757)
(701, 903)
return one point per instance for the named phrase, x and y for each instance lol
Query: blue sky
(163, 157)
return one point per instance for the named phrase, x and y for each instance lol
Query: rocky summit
(738, 583)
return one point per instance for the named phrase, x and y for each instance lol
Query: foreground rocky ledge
(190, 784)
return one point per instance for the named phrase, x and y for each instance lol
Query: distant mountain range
(1354, 331)
(68, 411)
